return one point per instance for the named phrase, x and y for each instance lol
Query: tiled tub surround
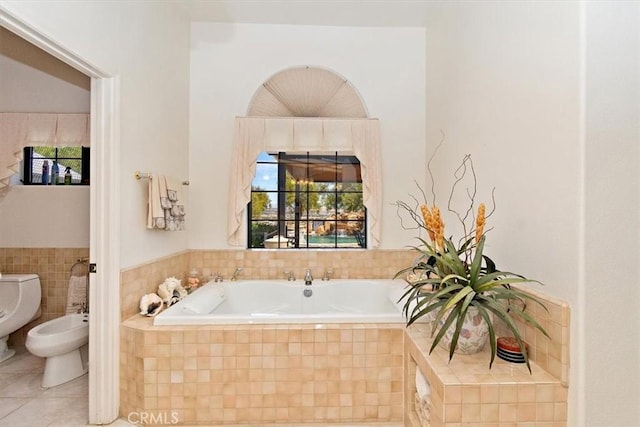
(145, 279)
(258, 264)
(261, 374)
(187, 369)
(53, 265)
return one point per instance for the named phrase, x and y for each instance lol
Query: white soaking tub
(281, 301)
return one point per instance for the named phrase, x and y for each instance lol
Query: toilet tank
(19, 290)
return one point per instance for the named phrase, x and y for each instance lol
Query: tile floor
(23, 402)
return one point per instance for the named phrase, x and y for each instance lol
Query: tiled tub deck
(337, 373)
(464, 392)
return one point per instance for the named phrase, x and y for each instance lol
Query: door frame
(104, 234)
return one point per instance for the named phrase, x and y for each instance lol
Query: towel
(157, 187)
(422, 385)
(174, 208)
(166, 208)
(76, 294)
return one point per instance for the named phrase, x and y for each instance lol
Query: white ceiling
(352, 13)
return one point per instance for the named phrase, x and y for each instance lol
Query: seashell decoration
(150, 305)
(171, 291)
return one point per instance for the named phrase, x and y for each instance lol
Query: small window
(307, 201)
(71, 162)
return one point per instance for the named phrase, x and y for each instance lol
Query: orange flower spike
(480, 221)
(439, 227)
(428, 221)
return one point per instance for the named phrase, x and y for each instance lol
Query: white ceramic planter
(473, 336)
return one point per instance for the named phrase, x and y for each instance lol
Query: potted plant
(451, 281)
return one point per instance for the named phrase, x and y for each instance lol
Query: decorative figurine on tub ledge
(150, 305)
(171, 291)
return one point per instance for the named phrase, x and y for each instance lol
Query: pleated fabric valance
(19, 130)
(253, 135)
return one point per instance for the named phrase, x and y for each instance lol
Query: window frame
(282, 159)
(85, 161)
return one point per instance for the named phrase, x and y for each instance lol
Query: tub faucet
(234, 276)
(84, 308)
(290, 276)
(308, 278)
(217, 278)
(327, 275)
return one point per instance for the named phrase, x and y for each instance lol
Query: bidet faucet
(308, 278)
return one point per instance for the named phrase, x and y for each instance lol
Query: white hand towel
(77, 294)
(422, 385)
(157, 198)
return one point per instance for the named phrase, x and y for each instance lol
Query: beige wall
(36, 216)
(35, 82)
(145, 44)
(544, 96)
(386, 66)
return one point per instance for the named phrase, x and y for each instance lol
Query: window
(307, 201)
(74, 160)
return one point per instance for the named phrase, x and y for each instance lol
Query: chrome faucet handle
(327, 275)
(218, 277)
(290, 276)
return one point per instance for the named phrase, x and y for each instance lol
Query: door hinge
(93, 268)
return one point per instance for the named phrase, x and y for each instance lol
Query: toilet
(19, 304)
(64, 343)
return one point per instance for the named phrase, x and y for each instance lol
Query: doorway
(104, 225)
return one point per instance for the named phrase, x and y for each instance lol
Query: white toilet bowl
(19, 304)
(64, 343)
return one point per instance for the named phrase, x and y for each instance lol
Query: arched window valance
(254, 135)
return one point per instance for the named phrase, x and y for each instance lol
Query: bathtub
(280, 301)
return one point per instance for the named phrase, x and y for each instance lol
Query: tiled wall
(552, 355)
(270, 264)
(258, 264)
(144, 279)
(261, 374)
(53, 265)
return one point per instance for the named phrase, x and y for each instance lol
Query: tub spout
(234, 276)
(308, 278)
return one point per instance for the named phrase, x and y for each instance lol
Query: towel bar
(140, 175)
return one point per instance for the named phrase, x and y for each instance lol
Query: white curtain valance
(254, 135)
(19, 130)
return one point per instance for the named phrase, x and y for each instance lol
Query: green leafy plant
(446, 278)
